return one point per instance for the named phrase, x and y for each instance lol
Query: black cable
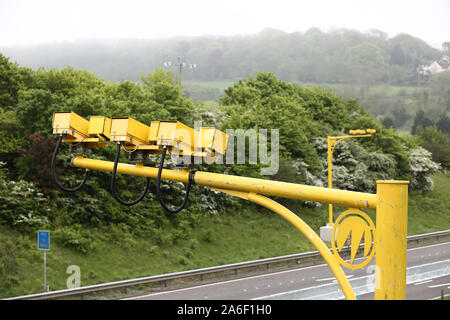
(158, 190)
(53, 165)
(113, 183)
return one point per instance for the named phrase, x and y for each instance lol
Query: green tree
(367, 63)
(397, 55)
(438, 143)
(267, 102)
(166, 95)
(388, 121)
(10, 83)
(420, 120)
(304, 113)
(11, 134)
(422, 168)
(58, 90)
(443, 124)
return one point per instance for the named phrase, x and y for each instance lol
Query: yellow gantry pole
(330, 178)
(351, 199)
(332, 142)
(390, 240)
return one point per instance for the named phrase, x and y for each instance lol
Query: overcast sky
(36, 21)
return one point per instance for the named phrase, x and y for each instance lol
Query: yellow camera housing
(100, 127)
(172, 134)
(129, 131)
(212, 141)
(74, 127)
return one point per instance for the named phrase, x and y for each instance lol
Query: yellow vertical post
(390, 240)
(330, 181)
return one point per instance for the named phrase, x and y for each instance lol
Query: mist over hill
(338, 56)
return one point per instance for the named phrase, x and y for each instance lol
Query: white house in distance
(433, 68)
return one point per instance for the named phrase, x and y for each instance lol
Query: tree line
(338, 56)
(304, 116)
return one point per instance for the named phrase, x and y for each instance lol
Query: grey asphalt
(428, 274)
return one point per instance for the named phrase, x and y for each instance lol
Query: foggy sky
(36, 21)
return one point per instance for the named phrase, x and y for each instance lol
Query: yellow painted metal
(351, 199)
(356, 224)
(153, 132)
(391, 220)
(210, 140)
(129, 131)
(332, 143)
(330, 177)
(312, 237)
(306, 231)
(74, 127)
(185, 140)
(100, 126)
(173, 134)
(390, 202)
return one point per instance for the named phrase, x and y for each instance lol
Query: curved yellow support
(309, 233)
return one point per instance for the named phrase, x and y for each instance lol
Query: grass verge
(113, 254)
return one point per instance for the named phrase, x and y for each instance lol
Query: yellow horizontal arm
(215, 180)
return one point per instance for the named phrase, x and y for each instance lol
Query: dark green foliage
(22, 206)
(10, 83)
(36, 162)
(27, 146)
(443, 124)
(299, 113)
(74, 237)
(420, 120)
(438, 143)
(303, 113)
(30, 200)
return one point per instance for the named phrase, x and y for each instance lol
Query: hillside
(90, 221)
(339, 56)
(381, 72)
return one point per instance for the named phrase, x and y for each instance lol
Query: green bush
(74, 238)
(422, 168)
(9, 266)
(23, 206)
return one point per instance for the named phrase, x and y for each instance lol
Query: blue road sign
(43, 240)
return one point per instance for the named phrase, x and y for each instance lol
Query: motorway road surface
(428, 272)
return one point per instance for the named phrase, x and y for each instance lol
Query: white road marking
(362, 285)
(423, 282)
(439, 285)
(333, 278)
(264, 275)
